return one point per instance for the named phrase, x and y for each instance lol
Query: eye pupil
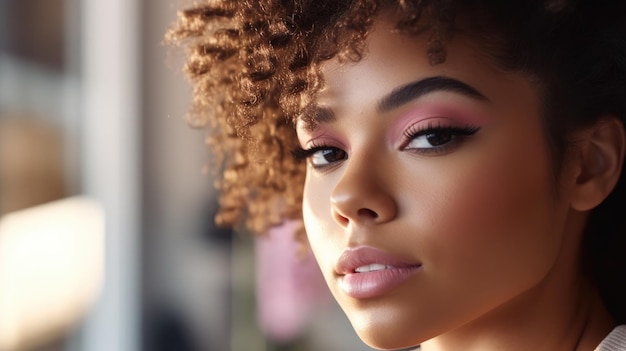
(333, 155)
(439, 138)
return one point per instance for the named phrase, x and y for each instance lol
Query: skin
(496, 235)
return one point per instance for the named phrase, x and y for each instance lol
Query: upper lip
(353, 258)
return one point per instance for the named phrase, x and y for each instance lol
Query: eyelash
(301, 154)
(416, 131)
(410, 135)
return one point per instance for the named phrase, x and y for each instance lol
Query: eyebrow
(417, 89)
(407, 93)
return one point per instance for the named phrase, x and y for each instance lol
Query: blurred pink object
(289, 287)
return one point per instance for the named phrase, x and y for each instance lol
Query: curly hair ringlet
(255, 70)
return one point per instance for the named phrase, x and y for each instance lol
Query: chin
(379, 342)
(384, 332)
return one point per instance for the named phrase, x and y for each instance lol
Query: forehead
(394, 59)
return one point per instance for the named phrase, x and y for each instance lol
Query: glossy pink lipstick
(367, 272)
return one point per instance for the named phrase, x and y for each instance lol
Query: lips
(367, 272)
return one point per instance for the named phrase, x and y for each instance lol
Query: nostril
(367, 213)
(343, 221)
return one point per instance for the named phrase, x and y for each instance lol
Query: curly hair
(254, 66)
(255, 70)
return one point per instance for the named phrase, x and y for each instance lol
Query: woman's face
(429, 200)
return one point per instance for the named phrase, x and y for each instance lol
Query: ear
(599, 156)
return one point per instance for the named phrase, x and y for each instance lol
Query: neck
(564, 312)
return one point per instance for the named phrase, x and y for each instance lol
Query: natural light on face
(429, 200)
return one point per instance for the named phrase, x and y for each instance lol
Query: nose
(362, 197)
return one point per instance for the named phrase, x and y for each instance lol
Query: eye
(436, 139)
(321, 156)
(327, 156)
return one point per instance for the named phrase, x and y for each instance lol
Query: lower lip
(375, 284)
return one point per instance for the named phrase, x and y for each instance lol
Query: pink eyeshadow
(441, 114)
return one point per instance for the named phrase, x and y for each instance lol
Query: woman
(461, 176)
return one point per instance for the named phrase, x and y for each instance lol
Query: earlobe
(601, 156)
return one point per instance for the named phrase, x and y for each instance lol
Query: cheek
(491, 219)
(318, 222)
(316, 203)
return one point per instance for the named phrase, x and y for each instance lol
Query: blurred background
(106, 233)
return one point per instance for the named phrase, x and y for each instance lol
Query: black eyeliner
(300, 154)
(463, 131)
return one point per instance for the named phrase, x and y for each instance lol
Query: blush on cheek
(319, 225)
(499, 222)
